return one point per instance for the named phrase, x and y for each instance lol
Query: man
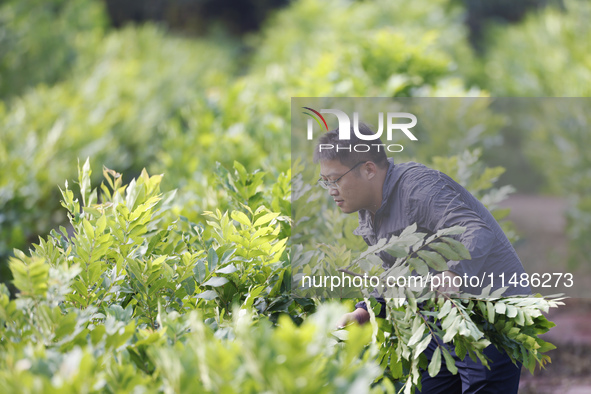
(388, 198)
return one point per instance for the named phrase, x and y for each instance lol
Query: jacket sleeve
(439, 205)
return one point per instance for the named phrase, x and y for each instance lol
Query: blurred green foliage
(40, 41)
(554, 143)
(116, 108)
(558, 142)
(561, 66)
(139, 98)
(360, 49)
(482, 14)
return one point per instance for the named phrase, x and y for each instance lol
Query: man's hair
(344, 150)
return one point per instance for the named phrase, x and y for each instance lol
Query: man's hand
(360, 316)
(444, 282)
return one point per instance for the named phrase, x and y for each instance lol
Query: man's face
(351, 194)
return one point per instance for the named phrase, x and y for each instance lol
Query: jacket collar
(365, 223)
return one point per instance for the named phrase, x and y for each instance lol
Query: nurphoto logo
(345, 128)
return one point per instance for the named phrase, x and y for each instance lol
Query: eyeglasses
(333, 184)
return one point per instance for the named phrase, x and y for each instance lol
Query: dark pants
(473, 377)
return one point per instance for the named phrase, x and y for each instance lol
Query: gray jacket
(414, 193)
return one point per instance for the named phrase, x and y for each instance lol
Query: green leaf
(423, 345)
(241, 218)
(227, 256)
(280, 304)
(500, 307)
(491, 312)
(409, 230)
(200, 271)
(460, 350)
(455, 230)
(265, 219)
(450, 363)
(212, 259)
(241, 170)
(434, 260)
(445, 309)
(544, 346)
(397, 251)
(101, 224)
(80, 288)
(30, 278)
(458, 247)
(207, 295)
(511, 311)
(189, 286)
(417, 335)
(253, 293)
(435, 364)
(396, 367)
(231, 268)
(159, 284)
(88, 229)
(419, 266)
(216, 281)
(452, 330)
(445, 250)
(84, 180)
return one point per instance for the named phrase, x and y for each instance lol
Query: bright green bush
(126, 276)
(117, 109)
(131, 300)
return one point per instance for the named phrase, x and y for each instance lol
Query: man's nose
(333, 191)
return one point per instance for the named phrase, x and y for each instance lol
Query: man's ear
(370, 169)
